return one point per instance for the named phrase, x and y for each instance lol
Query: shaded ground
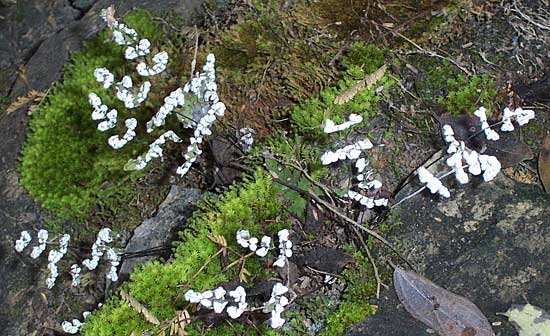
(473, 36)
(488, 243)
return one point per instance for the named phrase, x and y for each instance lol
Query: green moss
(442, 85)
(360, 61)
(354, 305)
(66, 163)
(369, 58)
(254, 206)
(467, 95)
(115, 318)
(269, 59)
(433, 75)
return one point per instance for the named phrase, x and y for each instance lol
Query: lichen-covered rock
(159, 231)
(489, 242)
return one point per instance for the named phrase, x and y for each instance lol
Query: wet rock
(24, 25)
(55, 50)
(156, 234)
(537, 91)
(490, 242)
(325, 259)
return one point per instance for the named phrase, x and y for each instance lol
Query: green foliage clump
(467, 95)
(114, 318)
(308, 116)
(254, 206)
(288, 152)
(354, 306)
(66, 162)
(368, 58)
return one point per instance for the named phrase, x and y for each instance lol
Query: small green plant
(115, 318)
(360, 61)
(4, 100)
(466, 95)
(367, 58)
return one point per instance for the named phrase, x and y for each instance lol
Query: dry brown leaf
(544, 163)
(446, 313)
(138, 307)
(218, 239)
(367, 83)
(179, 323)
(110, 16)
(243, 274)
(32, 96)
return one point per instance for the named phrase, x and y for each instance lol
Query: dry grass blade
(32, 96)
(110, 16)
(138, 307)
(367, 83)
(243, 274)
(544, 164)
(218, 239)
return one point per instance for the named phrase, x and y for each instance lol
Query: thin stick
(237, 261)
(201, 269)
(335, 211)
(194, 61)
(421, 189)
(379, 282)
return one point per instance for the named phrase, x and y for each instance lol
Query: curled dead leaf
(110, 16)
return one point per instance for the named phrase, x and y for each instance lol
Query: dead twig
(194, 62)
(379, 282)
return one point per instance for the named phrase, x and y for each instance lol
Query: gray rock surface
(161, 230)
(24, 25)
(39, 35)
(490, 242)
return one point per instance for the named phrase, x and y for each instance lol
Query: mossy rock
(66, 163)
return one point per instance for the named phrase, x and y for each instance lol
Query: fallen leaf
(509, 150)
(32, 96)
(244, 274)
(529, 320)
(446, 313)
(178, 324)
(544, 163)
(367, 83)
